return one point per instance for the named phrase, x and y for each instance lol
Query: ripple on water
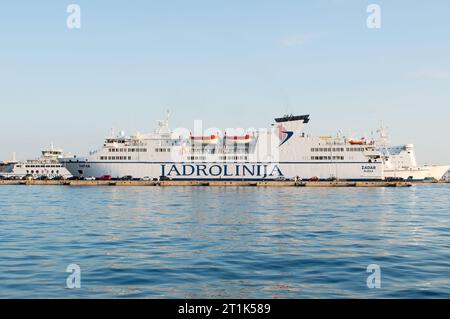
(224, 242)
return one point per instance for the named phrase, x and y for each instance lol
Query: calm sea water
(206, 242)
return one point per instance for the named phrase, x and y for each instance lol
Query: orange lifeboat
(205, 140)
(357, 142)
(244, 139)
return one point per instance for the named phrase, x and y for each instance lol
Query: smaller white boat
(47, 166)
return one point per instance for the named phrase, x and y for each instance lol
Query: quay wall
(209, 183)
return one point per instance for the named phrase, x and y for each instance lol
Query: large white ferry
(284, 151)
(47, 166)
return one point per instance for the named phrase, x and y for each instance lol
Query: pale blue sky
(230, 63)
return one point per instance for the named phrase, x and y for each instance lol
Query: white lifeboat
(244, 139)
(205, 140)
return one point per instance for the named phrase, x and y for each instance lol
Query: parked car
(164, 178)
(58, 178)
(394, 179)
(91, 178)
(146, 178)
(42, 178)
(2, 178)
(105, 178)
(27, 177)
(314, 179)
(74, 178)
(127, 178)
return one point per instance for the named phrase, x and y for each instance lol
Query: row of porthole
(37, 172)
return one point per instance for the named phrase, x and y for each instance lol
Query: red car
(105, 178)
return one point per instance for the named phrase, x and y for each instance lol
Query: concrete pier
(209, 183)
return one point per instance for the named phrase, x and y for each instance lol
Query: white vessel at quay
(400, 162)
(46, 166)
(283, 151)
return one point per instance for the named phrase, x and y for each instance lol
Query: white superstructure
(284, 151)
(46, 166)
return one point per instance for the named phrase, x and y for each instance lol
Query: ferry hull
(224, 171)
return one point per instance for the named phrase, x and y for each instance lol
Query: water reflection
(221, 242)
